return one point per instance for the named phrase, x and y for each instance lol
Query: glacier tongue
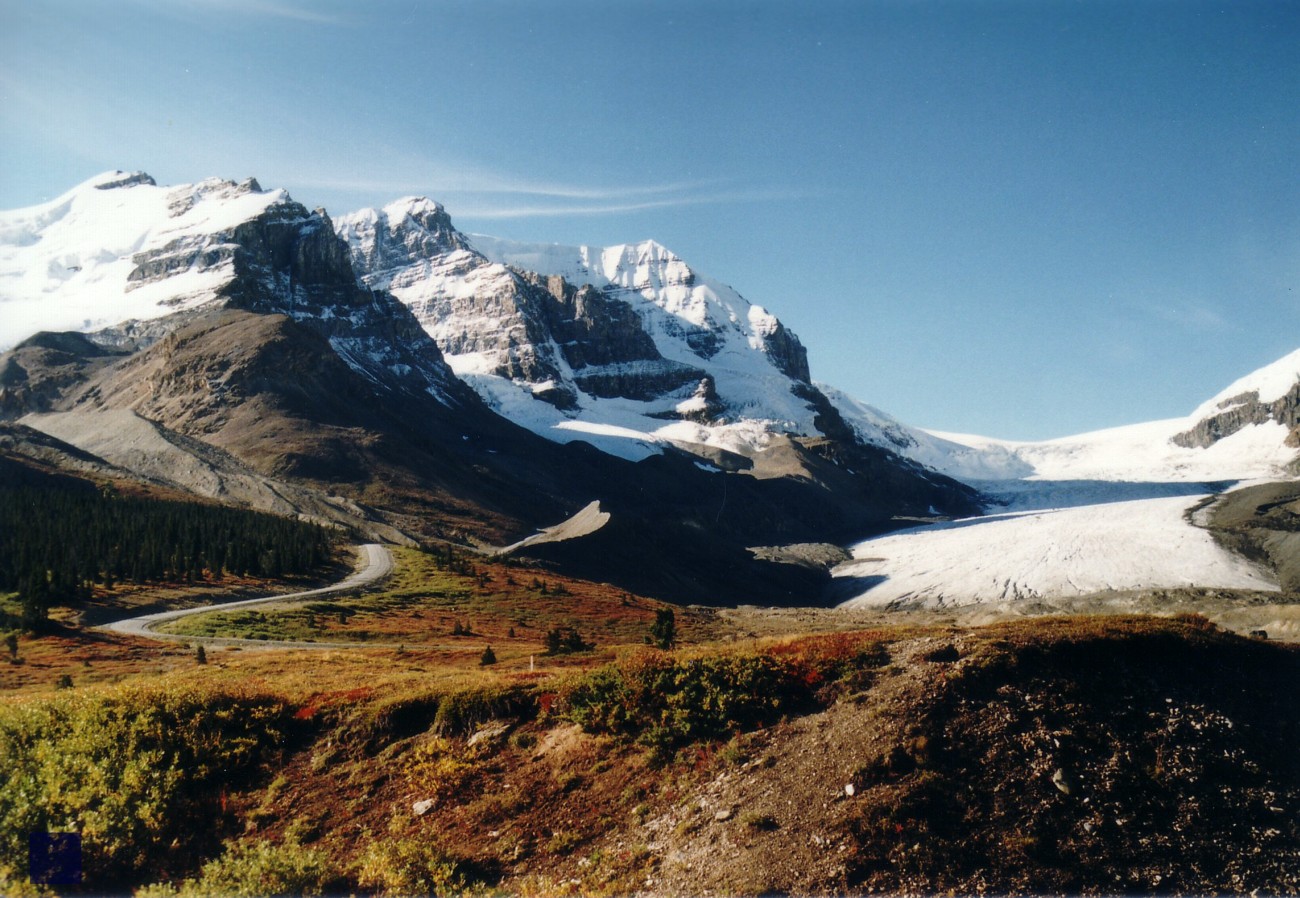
(1094, 513)
(1037, 556)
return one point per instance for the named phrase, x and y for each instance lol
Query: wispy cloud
(482, 182)
(538, 210)
(479, 193)
(306, 12)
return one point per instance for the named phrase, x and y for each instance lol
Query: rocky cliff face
(482, 316)
(553, 338)
(1242, 411)
(146, 259)
(289, 261)
(623, 343)
(602, 343)
(39, 370)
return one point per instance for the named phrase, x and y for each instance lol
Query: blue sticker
(54, 859)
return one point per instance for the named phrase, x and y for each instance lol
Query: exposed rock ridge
(603, 343)
(36, 372)
(576, 326)
(147, 260)
(290, 261)
(1242, 411)
(495, 319)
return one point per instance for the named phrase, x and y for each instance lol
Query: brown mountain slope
(262, 396)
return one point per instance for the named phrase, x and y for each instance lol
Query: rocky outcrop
(786, 352)
(280, 258)
(418, 230)
(1242, 411)
(36, 373)
(604, 343)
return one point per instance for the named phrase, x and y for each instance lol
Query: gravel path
(376, 564)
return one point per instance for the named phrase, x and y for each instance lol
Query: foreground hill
(1062, 756)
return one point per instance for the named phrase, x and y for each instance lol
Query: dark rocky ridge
(1243, 411)
(36, 372)
(603, 342)
(288, 260)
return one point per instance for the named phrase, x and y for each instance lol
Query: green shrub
(257, 869)
(129, 769)
(460, 712)
(663, 632)
(414, 865)
(566, 641)
(669, 702)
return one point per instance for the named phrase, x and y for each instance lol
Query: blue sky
(1017, 219)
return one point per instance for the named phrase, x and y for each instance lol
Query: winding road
(375, 565)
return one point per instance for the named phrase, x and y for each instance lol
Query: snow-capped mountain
(119, 247)
(235, 353)
(120, 252)
(626, 346)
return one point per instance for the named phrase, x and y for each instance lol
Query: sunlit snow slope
(119, 247)
(693, 321)
(1259, 446)
(1146, 543)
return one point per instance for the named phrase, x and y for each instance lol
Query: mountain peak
(417, 207)
(1269, 384)
(112, 180)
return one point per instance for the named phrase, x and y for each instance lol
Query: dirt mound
(1002, 761)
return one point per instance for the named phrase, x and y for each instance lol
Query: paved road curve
(376, 564)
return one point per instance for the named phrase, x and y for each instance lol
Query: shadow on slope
(1037, 495)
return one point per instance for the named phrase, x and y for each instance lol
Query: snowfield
(69, 264)
(1020, 556)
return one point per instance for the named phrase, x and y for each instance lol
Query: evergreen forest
(60, 535)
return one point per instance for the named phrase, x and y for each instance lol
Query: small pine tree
(663, 632)
(457, 629)
(488, 657)
(201, 655)
(11, 643)
(510, 634)
(565, 641)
